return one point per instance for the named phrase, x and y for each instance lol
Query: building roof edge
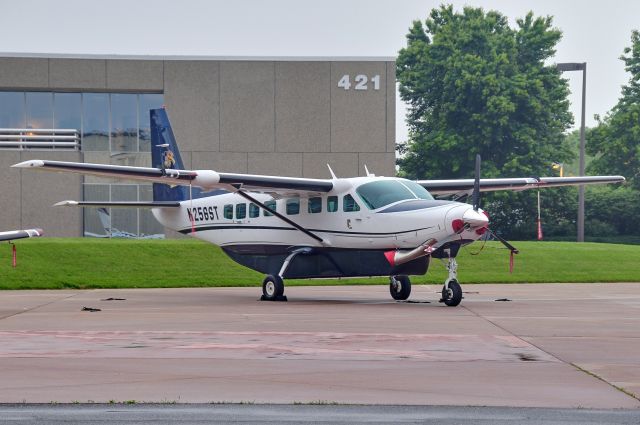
(197, 57)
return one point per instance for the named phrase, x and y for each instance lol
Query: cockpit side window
(380, 193)
(349, 204)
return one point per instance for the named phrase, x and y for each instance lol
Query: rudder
(165, 155)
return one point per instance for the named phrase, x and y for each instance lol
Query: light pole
(576, 66)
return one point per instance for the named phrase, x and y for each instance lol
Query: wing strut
(250, 198)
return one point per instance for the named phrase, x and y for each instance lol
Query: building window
(120, 223)
(111, 128)
(39, 109)
(95, 122)
(124, 122)
(12, 114)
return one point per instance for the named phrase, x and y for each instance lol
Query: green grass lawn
(51, 263)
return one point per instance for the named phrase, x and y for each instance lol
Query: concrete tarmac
(551, 345)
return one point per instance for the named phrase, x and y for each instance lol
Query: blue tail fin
(164, 155)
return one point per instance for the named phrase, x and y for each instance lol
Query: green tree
(616, 139)
(476, 85)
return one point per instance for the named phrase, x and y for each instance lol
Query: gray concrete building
(278, 116)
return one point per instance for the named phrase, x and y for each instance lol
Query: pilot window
(293, 206)
(271, 205)
(254, 210)
(241, 211)
(228, 211)
(315, 205)
(349, 204)
(332, 203)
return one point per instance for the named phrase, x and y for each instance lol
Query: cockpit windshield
(380, 193)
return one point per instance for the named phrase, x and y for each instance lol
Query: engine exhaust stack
(395, 258)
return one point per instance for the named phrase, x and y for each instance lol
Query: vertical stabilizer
(165, 155)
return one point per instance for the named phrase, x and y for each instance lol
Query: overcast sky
(594, 31)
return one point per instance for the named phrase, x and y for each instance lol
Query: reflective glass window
(377, 194)
(12, 113)
(67, 111)
(149, 226)
(124, 122)
(254, 210)
(228, 212)
(39, 109)
(97, 221)
(95, 122)
(241, 211)
(124, 221)
(146, 102)
(271, 205)
(417, 190)
(293, 206)
(315, 205)
(332, 203)
(349, 204)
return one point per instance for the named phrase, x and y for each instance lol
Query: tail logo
(168, 159)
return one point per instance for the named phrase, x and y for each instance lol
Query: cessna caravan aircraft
(289, 227)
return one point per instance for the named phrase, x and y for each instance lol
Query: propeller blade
(505, 242)
(476, 185)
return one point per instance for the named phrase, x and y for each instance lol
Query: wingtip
(66, 204)
(35, 232)
(29, 164)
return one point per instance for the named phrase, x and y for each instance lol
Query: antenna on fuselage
(333, 175)
(366, 170)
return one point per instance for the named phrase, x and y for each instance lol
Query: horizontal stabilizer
(90, 204)
(20, 234)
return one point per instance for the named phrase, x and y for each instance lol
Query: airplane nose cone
(475, 218)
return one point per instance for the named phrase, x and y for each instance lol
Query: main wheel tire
(453, 295)
(272, 287)
(400, 287)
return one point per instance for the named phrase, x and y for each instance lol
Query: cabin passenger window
(228, 211)
(332, 203)
(293, 206)
(349, 204)
(241, 211)
(271, 205)
(254, 210)
(315, 205)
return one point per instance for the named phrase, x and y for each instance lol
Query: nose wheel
(451, 291)
(400, 287)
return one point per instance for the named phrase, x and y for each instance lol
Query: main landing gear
(273, 289)
(273, 284)
(400, 287)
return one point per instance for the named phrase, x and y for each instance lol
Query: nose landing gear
(451, 291)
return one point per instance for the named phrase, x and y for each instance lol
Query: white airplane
(290, 227)
(20, 234)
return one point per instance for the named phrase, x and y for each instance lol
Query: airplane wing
(465, 186)
(205, 179)
(20, 234)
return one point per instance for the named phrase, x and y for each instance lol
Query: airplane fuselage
(349, 221)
